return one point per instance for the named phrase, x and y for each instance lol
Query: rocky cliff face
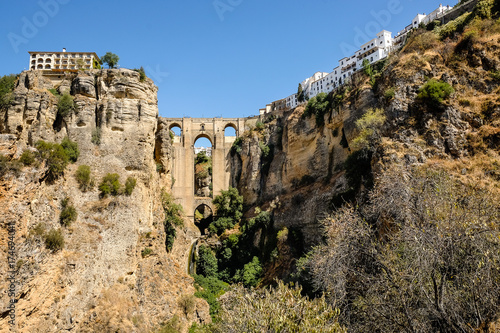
(103, 279)
(302, 176)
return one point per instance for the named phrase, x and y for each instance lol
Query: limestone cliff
(114, 273)
(295, 168)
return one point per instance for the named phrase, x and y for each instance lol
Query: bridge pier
(183, 167)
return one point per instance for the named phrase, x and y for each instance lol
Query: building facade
(374, 50)
(62, 60)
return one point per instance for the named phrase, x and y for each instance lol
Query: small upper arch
(230, 129)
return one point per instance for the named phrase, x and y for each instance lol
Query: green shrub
(206, 262)
(66, 105)
(369, 125)
(452, 27)
(220, 225)
(54, 240)
(171, 233)
(27, 158)
(173, 211)
(173, 217)
(130, 185)
(71, 149)
(229, 204)
(495, 75)
(82, 176)
(236, 147)
(146, 252)
(38, 230)
(483, 9)
(96, 136)
(260, 125)
(54, 92)
(7, 83)
(434, 92)
(318, 106)
(389, 94)
(55, 157)
(6, 166)
(68, 213)
(142, 74)
(262, 220)
(202, 157)
(250, 273)
(110, 184)
(264, 149)
(210, 289)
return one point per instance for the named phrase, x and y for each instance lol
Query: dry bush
(421, 41)
(437, 267)
(279, 309)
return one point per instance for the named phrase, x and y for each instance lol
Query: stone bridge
(183, 167)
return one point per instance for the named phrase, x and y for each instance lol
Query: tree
(7, 83)
(428, 260)
(229, 204)
(300, 94)
(65, 105)
(110, 184)
(318, 106)
(110, 59)
(206, 263)
(82, 176)
(55, 156)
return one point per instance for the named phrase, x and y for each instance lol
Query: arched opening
(230, 130)
(40, 67)
(203, 216)
(230, 133)
(47, 66)
(203, 167)
(175, 132)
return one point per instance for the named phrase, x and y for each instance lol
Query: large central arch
(183, 156)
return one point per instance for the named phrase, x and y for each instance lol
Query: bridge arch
(183, 157)
(203, 215)
(232, 126)
(205, 136)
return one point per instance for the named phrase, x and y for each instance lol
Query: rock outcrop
(114, 273)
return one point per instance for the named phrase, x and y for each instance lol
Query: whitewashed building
(207, 150)
(374, 50)
(62, 60)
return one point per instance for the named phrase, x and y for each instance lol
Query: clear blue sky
(208, 58)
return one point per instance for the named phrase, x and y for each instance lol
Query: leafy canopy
(434, 92)
(110, 59)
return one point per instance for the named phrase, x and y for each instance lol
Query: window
(380, 42)
(371, 58)
(33, 55)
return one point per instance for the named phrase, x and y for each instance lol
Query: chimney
(64, 49)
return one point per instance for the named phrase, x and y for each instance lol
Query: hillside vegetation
(411, 239)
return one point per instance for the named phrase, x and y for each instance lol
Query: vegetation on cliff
(412, 242)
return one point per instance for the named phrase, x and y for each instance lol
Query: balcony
(368, 52)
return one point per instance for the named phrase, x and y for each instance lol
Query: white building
(374, 50)
(62, 60)
(207, 150)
